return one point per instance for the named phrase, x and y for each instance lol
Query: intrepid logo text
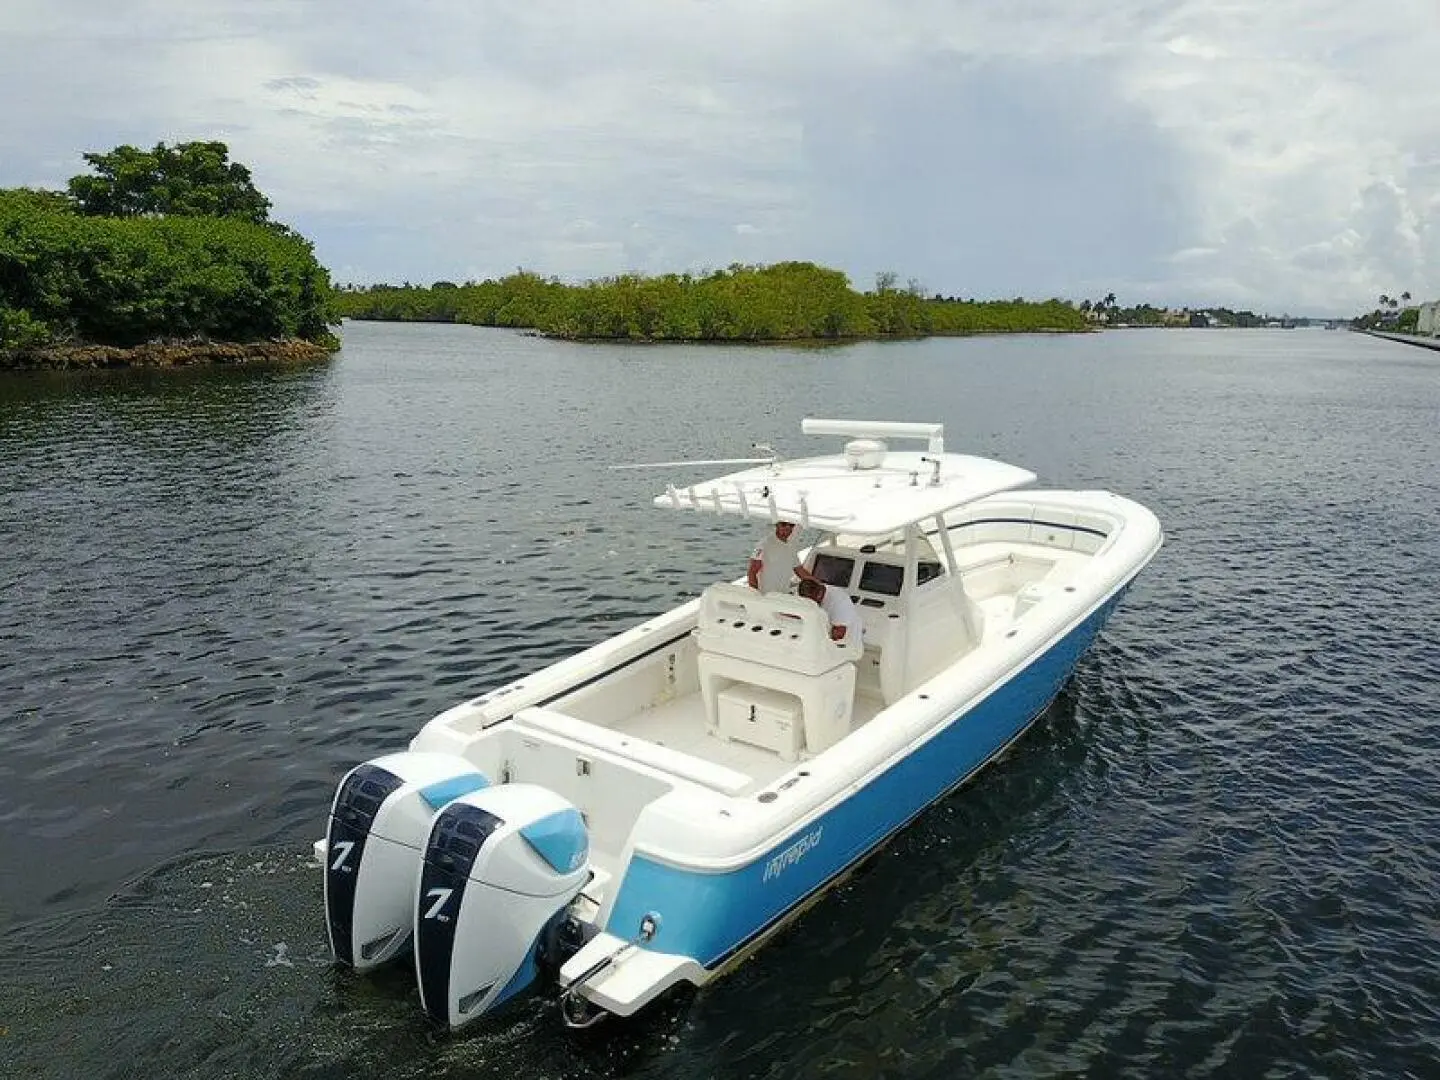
(791, 855)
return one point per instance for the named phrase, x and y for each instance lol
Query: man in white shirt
(845, 621)
(776, 557)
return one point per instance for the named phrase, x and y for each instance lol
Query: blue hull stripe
(711, 916)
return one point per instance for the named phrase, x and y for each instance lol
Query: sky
(1278, 155)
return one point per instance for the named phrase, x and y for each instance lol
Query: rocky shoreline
(164, 354)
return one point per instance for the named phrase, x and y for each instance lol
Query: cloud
(1268, 154)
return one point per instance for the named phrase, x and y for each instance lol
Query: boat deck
(680, 725)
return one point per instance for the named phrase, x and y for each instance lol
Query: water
(1217, 854)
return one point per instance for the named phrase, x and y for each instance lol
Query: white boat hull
(709, 826)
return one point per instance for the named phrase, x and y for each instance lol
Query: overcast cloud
(1276, 154)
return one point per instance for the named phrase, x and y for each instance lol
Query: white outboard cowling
(379, 824)
(501, 864)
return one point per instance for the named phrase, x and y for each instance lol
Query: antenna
(934, 463)
(771, 460)
(695, 461)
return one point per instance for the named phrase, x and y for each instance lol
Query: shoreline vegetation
(160, 258)
(168, 257)
(782, 303)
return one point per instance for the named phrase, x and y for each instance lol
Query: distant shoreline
(799, 343)
(791, 302)
(164, 354)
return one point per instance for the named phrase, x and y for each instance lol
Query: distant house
(1428, 322)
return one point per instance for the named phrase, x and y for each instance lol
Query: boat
(647, 812)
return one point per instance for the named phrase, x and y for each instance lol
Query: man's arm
(752, 573)
(801, 570)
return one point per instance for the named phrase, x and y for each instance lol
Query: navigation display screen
(833, 569)
(879, 578)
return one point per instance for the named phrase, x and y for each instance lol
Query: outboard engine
(501, 865)
(379, 823)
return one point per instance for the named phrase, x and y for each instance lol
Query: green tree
(68, 277)
(193, 179)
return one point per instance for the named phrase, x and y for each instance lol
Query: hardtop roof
(830, 493)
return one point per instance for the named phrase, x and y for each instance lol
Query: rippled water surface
(1219, 854)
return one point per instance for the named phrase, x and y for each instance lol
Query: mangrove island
(158, 257)
(784, 302)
